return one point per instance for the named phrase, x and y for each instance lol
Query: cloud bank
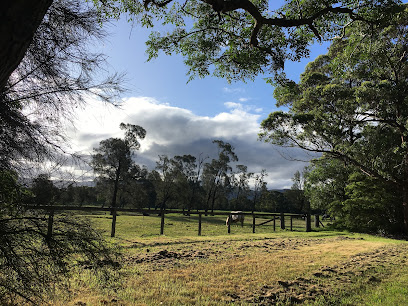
(177, 131)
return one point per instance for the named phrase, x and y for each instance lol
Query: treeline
(182, 182)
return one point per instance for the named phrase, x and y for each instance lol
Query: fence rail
(274, 216)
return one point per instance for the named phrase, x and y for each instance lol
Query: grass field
(267, 268)
(178, 225)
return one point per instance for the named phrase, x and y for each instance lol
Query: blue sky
(165, 79)
(183, 118)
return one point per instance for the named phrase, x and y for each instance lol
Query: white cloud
(244, 108)
(233, 105)
(233, 90)
(177, 131)
(243, 99)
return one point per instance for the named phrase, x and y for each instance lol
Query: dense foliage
(351, 105)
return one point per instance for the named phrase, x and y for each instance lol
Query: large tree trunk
(19, 19)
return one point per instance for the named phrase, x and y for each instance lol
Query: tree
(165, 178)
(371, 206)
(216, 174)
(12, 194)
(272, 201)
(14, 14)
(187, 171)
(325, 185)
(47, 71)
(259, 187)
(296, 194)
(240, 39)
(240, 188)
(113, 158)
(137, 191)
(351, 105)
(43, 189)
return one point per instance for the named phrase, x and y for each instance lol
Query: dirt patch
(165, 258)
(370, 267)
(272, 245)
(171, 256)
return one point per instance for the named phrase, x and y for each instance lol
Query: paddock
(200, 222)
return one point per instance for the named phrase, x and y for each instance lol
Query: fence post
(317, 223)
(308, 223)
(253, 223)
(229, 224)
(199, 224)
(274, 223)
(113, 229)
(291, 223)
(50, 222)
(162, 223)
(282, 220)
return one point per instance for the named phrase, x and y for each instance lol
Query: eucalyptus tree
(164, 181)
(216, 174)
(187, 169)
(236, 36)
(259, 187)
(112, 160)
(231, 39)
(351, 105)
(240, 187)
(137, 191)
(273, 201)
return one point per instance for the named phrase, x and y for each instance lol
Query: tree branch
(225, 6)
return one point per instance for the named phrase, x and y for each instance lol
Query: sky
(183, 118)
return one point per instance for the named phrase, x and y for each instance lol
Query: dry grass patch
(227, 271)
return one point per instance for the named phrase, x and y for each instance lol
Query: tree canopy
(239, 39)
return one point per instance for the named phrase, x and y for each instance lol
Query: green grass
(391, 292)
(177, 225)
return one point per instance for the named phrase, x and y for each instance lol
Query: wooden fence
(113, 211)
